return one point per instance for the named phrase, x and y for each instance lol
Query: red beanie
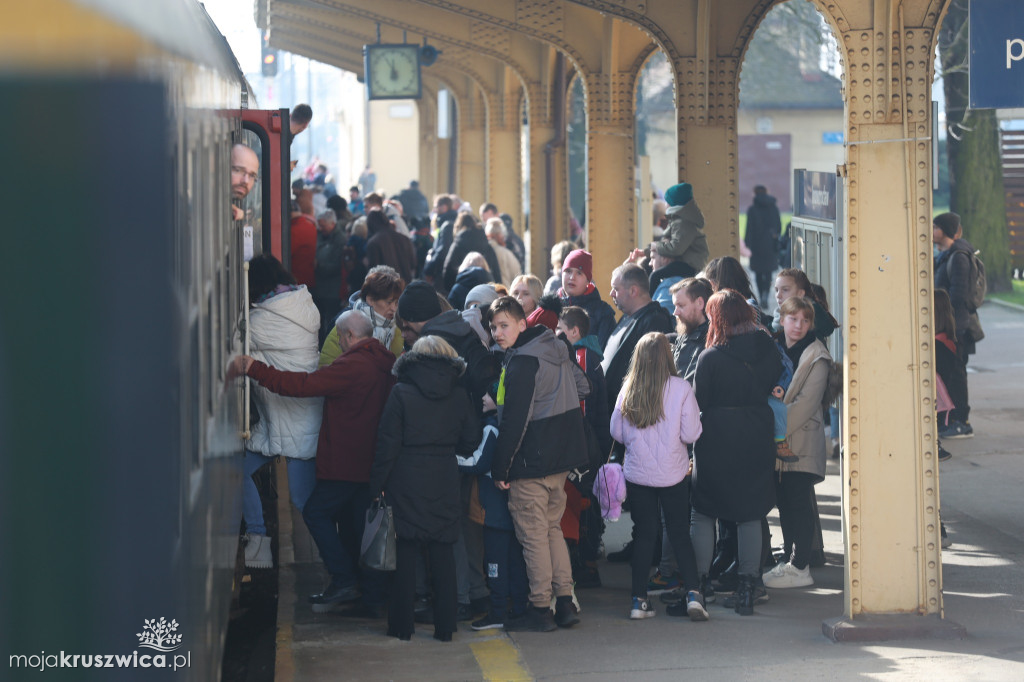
(582, 260)
(546, 313)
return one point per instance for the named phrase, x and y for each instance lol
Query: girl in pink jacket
(656, 417)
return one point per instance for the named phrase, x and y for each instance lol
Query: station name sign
(996, 54)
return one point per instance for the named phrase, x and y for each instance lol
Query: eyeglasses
(245, 173)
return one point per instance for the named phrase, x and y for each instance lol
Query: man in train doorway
(245, 171)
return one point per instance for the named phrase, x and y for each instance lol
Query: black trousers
(793, 490)
(764, 286)
(441, 557)
(675, 505)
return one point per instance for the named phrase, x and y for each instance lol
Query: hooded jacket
(662, 279)
(434, 265)
(482, 368)
(684, 237)
(464, 283)
(427, 420)
(283, 332)
(953, 273)
(734, 458)
(602, 316)
(541, 424)
(355, 385)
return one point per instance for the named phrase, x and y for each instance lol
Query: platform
(983, 579)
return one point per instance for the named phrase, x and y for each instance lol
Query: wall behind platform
(394, 127)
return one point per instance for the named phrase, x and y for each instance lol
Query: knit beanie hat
(546, 313)
(482, 295)
(679, 195)
(418, 303)
(582, 260)
(949, 223)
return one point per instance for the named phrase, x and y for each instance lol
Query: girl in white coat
(656, 417)
(283, 327)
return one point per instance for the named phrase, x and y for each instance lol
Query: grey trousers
(702, 533)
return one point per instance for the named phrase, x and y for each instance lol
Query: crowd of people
(493, 411)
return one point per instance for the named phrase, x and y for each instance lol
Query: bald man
(245, 171)
(356, 386)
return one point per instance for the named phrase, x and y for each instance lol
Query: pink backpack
(610, 490)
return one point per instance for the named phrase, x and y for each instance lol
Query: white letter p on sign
(1010, 56)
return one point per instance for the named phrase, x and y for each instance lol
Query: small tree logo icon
(159, 635)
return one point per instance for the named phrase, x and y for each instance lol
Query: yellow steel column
(541, 132)
(428, 143)
(503, 150)
(891, 473)
(472, 146)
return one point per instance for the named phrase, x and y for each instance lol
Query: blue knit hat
(679, 195)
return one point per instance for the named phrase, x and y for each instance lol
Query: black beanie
(949, 223)
(418, 303)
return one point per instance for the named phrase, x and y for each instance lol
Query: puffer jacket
(804, 426)
(656, 456)
(684, 237)
(427, 420)
(283, 333)
(541, 423)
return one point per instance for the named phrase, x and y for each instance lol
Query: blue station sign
(996, 54)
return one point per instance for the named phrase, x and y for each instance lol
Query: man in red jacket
(355, 386)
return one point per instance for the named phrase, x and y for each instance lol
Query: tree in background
(975, 166)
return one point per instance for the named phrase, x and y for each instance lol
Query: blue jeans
(779, 412)
(301, 479)
(335, 514)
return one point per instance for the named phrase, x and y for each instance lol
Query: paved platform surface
(983, 574)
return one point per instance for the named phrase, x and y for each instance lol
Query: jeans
(301, 479)
(779, 412)
(335, 515)
(793, 490)
(506, 571)
(748, 543)
(675, 503)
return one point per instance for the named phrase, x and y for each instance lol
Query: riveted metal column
(472, 146)
(504, 175)
(891, 473)
(428, 172)
(542, 130)
(708, 149)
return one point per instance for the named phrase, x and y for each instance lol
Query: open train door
(267, 208)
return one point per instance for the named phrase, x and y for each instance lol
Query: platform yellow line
(499, 660)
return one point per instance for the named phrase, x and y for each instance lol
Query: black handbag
(377, 550)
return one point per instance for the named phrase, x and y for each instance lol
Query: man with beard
(245, 171)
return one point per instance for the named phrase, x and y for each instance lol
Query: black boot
(745, 596)
(565, 612)
(707, 590)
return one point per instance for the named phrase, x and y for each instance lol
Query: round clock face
(393, 71)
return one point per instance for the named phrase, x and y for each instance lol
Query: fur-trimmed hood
(433, 375)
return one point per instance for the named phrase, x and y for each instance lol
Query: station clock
(392, 71)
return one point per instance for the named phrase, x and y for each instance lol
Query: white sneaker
(787, 575)
(257, 552)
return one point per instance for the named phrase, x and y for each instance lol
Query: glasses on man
(254, 177)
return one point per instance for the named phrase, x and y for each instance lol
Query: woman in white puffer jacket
(656, 417)
(283, 327)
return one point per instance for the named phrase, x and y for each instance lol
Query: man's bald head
(353, 327)
(245, 170)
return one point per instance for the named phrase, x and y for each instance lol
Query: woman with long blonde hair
(656, 417)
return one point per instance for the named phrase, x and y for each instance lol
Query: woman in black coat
(468, 237)
(734, 459)
(426, 420)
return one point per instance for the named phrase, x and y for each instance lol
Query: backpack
(834, 387)
(977, 280)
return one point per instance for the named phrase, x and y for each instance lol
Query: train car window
(253, 204)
